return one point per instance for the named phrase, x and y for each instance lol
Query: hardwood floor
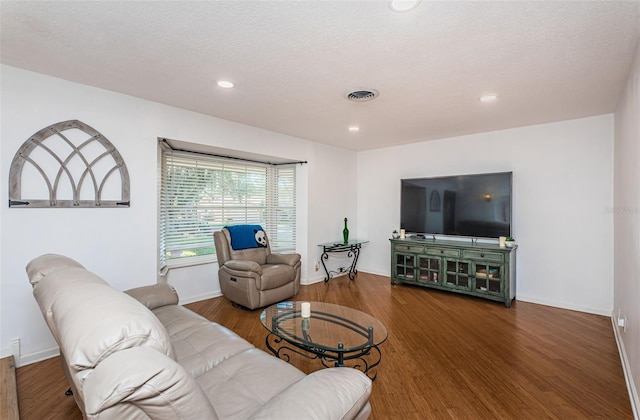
(447, 356)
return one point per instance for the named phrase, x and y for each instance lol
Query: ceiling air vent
(362, 95)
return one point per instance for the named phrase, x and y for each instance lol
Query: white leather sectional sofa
(140, 355)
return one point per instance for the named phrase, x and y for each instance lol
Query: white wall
(626, 214)
(562, 190)
(331, 200)
(120, 245)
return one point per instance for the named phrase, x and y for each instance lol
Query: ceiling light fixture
(489, 98)
(225, 84)
(354, 128)
(400, 6)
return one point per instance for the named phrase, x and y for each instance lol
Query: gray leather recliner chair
(255, 277)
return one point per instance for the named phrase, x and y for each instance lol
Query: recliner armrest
(243, 265)
(288, 259)
(335, 393)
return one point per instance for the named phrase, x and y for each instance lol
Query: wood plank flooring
(447, 356)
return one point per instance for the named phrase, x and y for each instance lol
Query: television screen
(465, 205)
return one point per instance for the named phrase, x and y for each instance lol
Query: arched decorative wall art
(59, 166)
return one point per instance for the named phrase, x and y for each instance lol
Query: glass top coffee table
(333, 334)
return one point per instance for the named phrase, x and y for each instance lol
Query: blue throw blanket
(247, 236)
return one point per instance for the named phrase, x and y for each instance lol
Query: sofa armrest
(154, 296)
(143, 379)
(243, 265)
(288, 259)
(332, 394)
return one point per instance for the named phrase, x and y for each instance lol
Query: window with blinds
(200, 194)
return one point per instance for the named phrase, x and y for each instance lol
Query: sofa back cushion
(139, 383)
(91, 320)
(39, 267)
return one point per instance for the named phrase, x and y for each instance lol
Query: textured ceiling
(294, 61)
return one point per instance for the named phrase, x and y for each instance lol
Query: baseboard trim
(626, 369)
(564, 305)
(377, 273)
(39, 356)
(315, 280)
(198, 298)
(532, 299)
(27, 359)
(310, 281)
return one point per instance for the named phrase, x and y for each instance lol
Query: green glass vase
(345, 232)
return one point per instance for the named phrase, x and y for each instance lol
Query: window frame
(279, 210)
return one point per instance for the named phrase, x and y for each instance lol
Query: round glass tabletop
(329, 326)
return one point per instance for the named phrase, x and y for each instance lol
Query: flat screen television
(476, 205)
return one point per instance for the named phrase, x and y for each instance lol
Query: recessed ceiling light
(403, 5)
(489, 98)
(354, 128)
(225, 84)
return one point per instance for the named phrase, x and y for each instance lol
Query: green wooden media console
(477, 269)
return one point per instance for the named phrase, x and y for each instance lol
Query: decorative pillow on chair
(247, 236)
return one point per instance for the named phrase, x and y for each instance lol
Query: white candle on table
(305, 310)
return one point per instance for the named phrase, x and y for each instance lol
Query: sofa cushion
(240, 385)
(348, 390)
(39, 267)
(140, 383)
(199, 344)
(94, 320)
(59, 284)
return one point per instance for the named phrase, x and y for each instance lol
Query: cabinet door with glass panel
(429, 269)
(488, 278)
(457, 274)
(405, 266)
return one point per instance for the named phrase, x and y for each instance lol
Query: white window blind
(200, 194)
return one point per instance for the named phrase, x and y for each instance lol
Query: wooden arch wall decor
(64, 168)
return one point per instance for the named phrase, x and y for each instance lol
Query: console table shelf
(477, 269)
(352, 248)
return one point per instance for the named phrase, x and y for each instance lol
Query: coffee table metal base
(365, 357)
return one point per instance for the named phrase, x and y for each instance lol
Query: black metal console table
(334, 334)
(352, 248)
